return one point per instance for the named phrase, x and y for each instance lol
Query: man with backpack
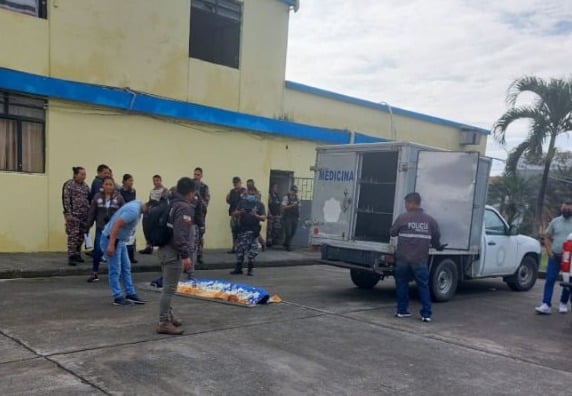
(175, 255)
(249, 213)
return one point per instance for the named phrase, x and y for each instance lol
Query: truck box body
(359, 191)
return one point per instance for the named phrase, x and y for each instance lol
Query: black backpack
(157, 224)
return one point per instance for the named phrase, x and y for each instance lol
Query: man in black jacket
(176, 255)
(103, 171)
(417, 232)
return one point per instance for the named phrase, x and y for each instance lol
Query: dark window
(493, 224)
(22, 133)
(215, 31)
(38, 8)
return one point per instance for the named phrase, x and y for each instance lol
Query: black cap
(236, 179)
(294, 188)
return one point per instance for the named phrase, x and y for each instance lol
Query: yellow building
(152, 87)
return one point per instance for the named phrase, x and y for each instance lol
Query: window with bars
(215, 31)
(22, 133)
(38, 8)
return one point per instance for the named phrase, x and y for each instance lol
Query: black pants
(290, 225)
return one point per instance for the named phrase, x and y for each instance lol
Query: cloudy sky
(449, 58)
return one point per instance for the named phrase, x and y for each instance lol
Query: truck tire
(364, 279)
(525, 276)
(443, 280)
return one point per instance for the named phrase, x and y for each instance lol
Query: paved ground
(34, 265)
(62, 336)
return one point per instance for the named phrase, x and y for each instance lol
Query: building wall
(318, 110)
(24, 43)
(142, 146)
(144, 45)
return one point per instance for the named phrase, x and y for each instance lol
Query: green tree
(550, 115)
(511, 195)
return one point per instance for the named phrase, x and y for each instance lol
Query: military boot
(250, 268)
(237, 269)
(169, 328)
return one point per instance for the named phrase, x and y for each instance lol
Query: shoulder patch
(187, 219)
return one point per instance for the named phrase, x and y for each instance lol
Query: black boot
(200, 260)
(237, 269)
(250, 268)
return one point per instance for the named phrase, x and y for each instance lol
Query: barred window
(215, 31)
(38, 8)
(22, 133)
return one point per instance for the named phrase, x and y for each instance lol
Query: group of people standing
(115, 212)
(247, 212)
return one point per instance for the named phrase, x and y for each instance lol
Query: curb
(85, 270)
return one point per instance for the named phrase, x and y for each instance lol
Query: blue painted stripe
(378, 106)
(361, 138)
(128, 100)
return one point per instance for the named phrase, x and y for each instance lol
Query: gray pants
(172, 269)
(290, 225)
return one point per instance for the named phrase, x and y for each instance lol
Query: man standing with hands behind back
(556, 233)
(290, 216)
(417, 231)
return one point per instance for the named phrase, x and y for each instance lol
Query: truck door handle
(491, 243)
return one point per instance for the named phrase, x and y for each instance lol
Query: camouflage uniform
(274, 228)
(76, 203)
(201, 216)
(248, 233)
(193, 242)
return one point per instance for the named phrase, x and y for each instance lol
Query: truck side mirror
(513, 230)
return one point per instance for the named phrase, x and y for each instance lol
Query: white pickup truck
(358, 193)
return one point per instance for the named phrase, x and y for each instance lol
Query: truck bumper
(380, 263)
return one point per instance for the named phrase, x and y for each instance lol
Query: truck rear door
(334, 189)
(446, 182)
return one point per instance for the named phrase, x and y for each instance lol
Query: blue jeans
(552, 271)
(119, 267)
(403, 272)
(97, 252)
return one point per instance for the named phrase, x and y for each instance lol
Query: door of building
(305, 192)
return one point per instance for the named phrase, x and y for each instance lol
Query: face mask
(566, 213)
(251, 198)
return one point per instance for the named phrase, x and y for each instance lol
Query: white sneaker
(544, 309)
(563, 308)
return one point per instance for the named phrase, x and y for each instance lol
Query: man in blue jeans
(114, 240)
(555, 235)
(416, 232)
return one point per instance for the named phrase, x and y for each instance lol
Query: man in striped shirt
(416, 232)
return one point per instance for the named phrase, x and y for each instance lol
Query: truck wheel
(525, 276)
(444, 278)
(364, 279)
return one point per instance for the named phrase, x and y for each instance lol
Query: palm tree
(510, 194)
(550, 115)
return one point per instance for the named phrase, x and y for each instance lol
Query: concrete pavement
(37, 265)
(62, 336)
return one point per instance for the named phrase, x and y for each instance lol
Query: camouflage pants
(274, 230)
(74, 231)
(194, 249)
(246, 246)
(201, 243)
